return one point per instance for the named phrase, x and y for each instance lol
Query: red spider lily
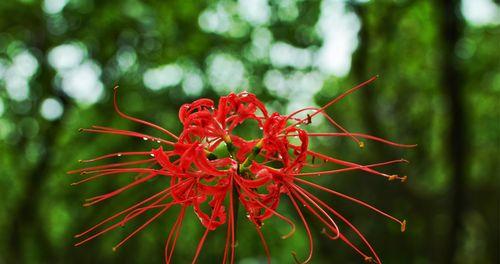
(254, 173)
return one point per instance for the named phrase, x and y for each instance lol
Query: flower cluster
(213, 171)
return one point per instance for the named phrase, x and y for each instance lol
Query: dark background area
(439, 87)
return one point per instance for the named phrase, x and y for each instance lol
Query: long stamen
(360, 167)
(229, 238)
(330, 220)
(347, 163)
(173, 233)
(177, 231)
(308, 231)
(106, 130)
(202, 240)
(385, 141)
(100, 198)
(88, 179)
(338, 215)
(254, 197)
(163, 192)
(338, 98)
(142, 226)
(121, 213)
(118, 154)
(329, 119)
(402, 223)
(154, 205)
(112, 165)
(233, 216)
(117, 109)
(135, 170)
(264, 243)
(118, 224)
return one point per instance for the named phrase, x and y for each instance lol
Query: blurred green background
(439, 87)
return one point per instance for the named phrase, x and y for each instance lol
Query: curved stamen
(117, 109)
(174, 231)
(263, 242)
(360, 167)
(308, 231)
(117, 154)
(163, 192)
(100, 198)
(282, 217)
(142, 226)
(338, 98)
(344, 163)
(361, 135)
(360, 235)
(329, 218)
(112, 165)
(347, 197)
(202, 240)
(178, 227)
(108, 130)
(329, 119)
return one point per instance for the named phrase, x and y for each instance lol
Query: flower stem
(236, 206)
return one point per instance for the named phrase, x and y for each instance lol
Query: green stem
(236, 206)
(243, 168)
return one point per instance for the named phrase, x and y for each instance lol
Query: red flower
(254, 173)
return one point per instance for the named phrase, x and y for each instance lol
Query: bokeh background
(439, 87)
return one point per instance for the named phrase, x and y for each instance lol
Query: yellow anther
(361, 144)
(403, 226)
(226, 138)
(392, 177)
(259, 143)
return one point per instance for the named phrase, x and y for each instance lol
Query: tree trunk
(451, 30)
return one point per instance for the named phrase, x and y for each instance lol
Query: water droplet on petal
(145, 138)
(152, 155)
(119, 154)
